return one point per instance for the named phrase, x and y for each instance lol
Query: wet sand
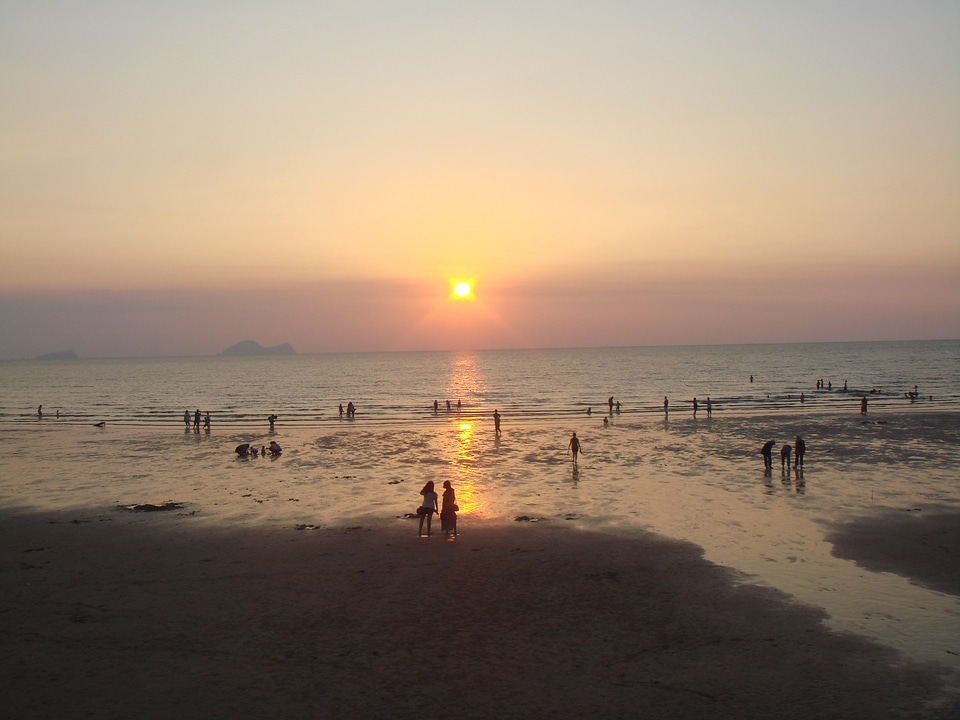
(155, 615)
(922, 546)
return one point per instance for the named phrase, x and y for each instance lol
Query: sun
(461, 290)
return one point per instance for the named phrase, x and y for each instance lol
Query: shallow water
(526, 385)
(698, 479)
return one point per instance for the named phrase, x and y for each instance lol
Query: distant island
(61, 355)
(251, 347)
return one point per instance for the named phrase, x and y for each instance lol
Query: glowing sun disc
(462, 289)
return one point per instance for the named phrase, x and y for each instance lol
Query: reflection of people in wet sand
(428, 507)
(496, 421)
(799, 448)
(767, 452)
(574, 447)
(785, 456)
(448, 510)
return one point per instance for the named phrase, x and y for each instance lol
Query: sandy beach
(117, 614)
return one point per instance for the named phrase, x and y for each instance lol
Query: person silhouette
(767, 452)
(448, 510)
(785, 456)
(574, 447)
(427, 507)
(496, 422)
(799, 449)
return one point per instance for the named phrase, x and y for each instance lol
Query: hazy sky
(177, 176)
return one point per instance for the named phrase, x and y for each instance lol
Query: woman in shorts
(428, 507)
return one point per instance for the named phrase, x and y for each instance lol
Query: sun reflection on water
(465, 382)
(465, 485)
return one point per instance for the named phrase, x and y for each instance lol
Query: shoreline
(154, 615)
(428, 419)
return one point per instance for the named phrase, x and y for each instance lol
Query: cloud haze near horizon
(174, 179)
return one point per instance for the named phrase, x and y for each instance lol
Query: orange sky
(616, 173)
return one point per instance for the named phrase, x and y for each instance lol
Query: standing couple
(448, 509)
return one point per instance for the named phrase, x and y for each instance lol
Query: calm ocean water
(305, 390)
(698, 479)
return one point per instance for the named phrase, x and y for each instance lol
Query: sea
(104, 438)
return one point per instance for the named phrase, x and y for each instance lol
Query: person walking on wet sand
(196, 420)
(428, 507)
(496, 422)
(863, 405)
(448, 510)
(666, 406)
(767, 452)
(799, 448)
(574, 447)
